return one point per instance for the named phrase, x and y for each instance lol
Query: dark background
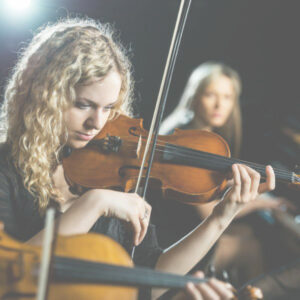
(258, 38)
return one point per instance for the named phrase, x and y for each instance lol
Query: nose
(218, 102)
(97, 119)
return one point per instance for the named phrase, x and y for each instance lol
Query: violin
(86, 266)
(191, 166)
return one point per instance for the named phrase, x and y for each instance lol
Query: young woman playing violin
(69, 82)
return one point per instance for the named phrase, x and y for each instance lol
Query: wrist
(229, 206)
(223, 213)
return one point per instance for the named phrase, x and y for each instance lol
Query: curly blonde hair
(60, 57)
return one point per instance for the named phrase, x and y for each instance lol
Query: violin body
(190, 166)
(19, 268)
(176, 174)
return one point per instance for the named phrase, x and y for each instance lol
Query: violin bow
(46, 255)
(162, 97)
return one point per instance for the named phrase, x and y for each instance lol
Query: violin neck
(181, 155)
(76, 270)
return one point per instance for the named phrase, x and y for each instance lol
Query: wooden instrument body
(93, 168)
(19, 268)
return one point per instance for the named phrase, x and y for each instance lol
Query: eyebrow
(94, 103)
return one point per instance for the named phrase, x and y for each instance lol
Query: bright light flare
(17, 6)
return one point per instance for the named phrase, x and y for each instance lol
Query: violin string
(225, 161)
(169, 145)
(223, 158)
(69, 268)
(220, 157)
(215, 165)
(219, 160)
(216, 160)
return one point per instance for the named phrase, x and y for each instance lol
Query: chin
(218, 123)
(77, 144)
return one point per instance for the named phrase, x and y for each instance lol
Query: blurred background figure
(210, 101)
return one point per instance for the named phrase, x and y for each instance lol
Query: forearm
(79, 218)
(193, 247)
(185, 254)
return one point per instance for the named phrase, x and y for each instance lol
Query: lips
(216, 115)
(84, 136)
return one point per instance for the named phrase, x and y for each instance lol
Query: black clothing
(174, 220)
(20, 215)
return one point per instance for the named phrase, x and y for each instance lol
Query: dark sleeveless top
(21, 218)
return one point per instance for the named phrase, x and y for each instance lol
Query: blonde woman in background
(210, 101)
